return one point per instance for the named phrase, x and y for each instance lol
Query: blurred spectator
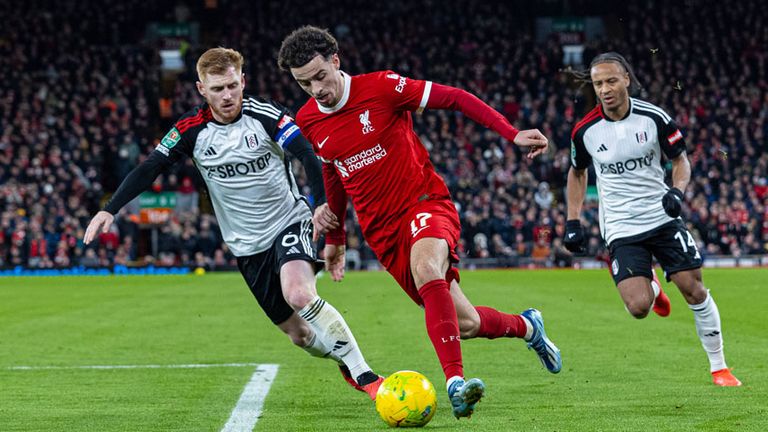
(543, 196)
(89, 259)
(354, 260)
(541, 250)
(187, 197)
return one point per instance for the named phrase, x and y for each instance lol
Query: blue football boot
(547, 351)
(464, 395)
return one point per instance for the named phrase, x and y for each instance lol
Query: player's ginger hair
(216, 61)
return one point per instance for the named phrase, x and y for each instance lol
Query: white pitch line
(148, 366)
(249, 406)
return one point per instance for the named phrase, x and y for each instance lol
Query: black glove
(574, 236)
(673, 202)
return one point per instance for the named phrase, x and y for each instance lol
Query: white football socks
(656, 289)
(316, 347)
(707, 319)
(528, 329)
(334, 336)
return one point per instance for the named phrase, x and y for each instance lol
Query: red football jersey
(369, 148)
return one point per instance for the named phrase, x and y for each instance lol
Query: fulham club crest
(642, 137)
(251, 141)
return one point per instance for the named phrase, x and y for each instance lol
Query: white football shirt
(245, 168)
(626, 155)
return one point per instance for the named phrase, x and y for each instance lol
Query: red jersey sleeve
(403, 93)
(445, 97)
(337, 202)
(408, 94)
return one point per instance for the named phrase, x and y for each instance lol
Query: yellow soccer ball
(406, 399)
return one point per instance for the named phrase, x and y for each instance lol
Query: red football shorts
(429, 218)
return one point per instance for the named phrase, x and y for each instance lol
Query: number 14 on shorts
(689, 243)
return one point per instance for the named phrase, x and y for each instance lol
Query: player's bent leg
(297, 279)
(442, 326)
(302, 336)
(330, 330)
(690, 285)
(637, 294)
(331, 327)
(429, 260)
(429, 264)
(467, 315)
(487, 322)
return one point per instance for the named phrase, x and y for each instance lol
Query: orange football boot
(661, 305)
(725, 378)
(369, 389)
(373, 387)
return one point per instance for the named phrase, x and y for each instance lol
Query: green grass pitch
(619, 374)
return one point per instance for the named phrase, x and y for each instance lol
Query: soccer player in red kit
(361, 128)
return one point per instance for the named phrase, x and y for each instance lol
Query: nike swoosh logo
(322, 143)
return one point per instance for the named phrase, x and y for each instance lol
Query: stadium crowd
(79, 109)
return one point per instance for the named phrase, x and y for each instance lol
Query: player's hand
(574, 239)
(335, 261)
(101, 222)
(673, 202)
(323, 220)
(536, 142)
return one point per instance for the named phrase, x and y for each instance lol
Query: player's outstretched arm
(137, 181)
(446, 97)
(335, 261)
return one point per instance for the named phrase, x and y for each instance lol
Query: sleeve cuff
(424, 97)
(336, 237)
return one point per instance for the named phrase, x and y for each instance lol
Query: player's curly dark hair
(304, 44)
(583, 76)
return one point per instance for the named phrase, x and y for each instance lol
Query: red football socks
(494, 324)
(442, 325)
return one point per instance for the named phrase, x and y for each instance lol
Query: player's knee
(638, 309)
(297, 296)
(425, 271)
(695, 293)
(299, 341)
(469, 326)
